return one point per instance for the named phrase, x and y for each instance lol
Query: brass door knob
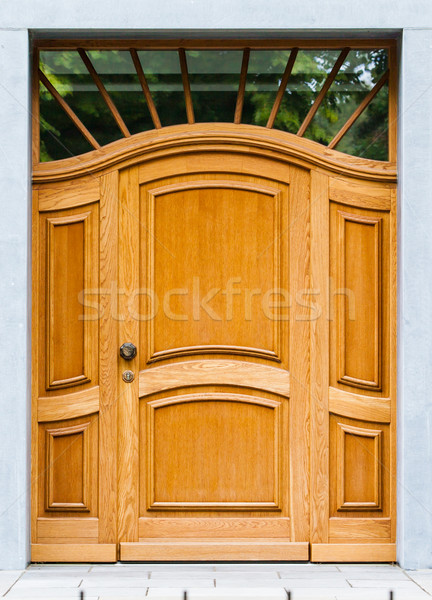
(128, 351)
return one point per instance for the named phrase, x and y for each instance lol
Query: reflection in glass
(163, 74)
(214, 79)
(309, 73)
(361, 70)
(119, 77)
(265, 71)
(368, 137)
(68, 74)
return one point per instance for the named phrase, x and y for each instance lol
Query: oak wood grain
(220, 549)
(215, 372)
(353, 552)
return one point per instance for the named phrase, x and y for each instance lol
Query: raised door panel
(69, 481)
(200, 449)
(68, 291)
(214, 252)
(360, 296)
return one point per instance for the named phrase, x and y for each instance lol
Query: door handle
(128, 351)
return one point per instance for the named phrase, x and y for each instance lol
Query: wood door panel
(214, 291)
(359, 468)
(69, 477)
(69, 327)
(359, 255)
(189, 466)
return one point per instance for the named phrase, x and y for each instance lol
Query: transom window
(93, 95)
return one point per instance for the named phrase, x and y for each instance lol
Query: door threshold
(203, 549)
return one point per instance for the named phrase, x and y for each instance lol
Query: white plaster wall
(223, 17)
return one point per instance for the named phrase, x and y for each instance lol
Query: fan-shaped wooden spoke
(353, 118)
(145, 88)
(107, 98)
(242, 86)
(186, 86)
(70, 113)
(331, 77)
(282, 87)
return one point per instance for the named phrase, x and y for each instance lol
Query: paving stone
(383, 583)
(311, 575)
(223, 593)
(45, 582)
(45, 592)
(180, 581)
(396, 574)
(114, 581)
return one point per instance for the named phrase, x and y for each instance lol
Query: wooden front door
(257, 417)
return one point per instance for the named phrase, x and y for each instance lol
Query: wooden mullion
(70, 113)
(35, 108)
(186, 86)
(282, 87)
(104, 93)
(361, 108)
(145, 88)
(392, 103)
(215, 44)
(242, 86)
(331, 77)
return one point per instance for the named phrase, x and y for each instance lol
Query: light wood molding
(353, 553)
(220, 549)
(215, 372)
(104, 553)
(68, 406)
(205, 137)
(356, 406)
(345, 465)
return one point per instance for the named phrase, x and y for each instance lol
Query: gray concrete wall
(415, 303)
(14, 305)
(233, 17)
